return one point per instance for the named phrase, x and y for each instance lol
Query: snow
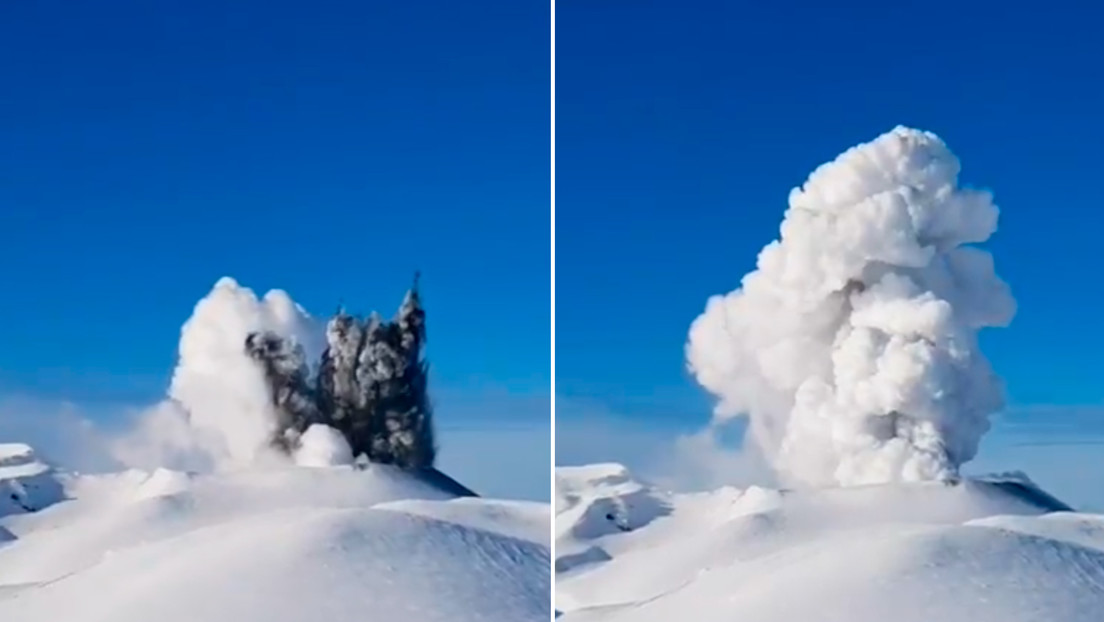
(26, 482)
(523, 520)
(282, 543)
(18, 461)
(323, 446)
(987, 549)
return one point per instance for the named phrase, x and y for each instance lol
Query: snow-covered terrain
(279, 543)
(995, 549)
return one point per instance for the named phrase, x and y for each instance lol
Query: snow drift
(283, 543)
(853, 345)
(977, 550)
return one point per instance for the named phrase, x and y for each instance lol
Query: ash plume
(852, 347)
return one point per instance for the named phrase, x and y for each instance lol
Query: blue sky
(326, 148)
(680, 131)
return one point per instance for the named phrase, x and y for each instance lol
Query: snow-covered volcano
(994, 549)
(279, 544)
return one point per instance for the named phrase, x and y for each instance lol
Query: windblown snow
(279, 544)
(988, 550)
(853, 345)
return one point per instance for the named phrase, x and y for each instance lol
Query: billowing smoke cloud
(219, 411)
(853, 345)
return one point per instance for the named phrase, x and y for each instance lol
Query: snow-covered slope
(281, 544)
(26, 483)
(982, 550)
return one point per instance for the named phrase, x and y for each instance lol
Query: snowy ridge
(26, 483)
(976, 551)
(278, 545)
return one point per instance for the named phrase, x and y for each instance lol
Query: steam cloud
(853, 345)
(219, 412)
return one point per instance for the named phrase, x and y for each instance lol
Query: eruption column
(853, 345)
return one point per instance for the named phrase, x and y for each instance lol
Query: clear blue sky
(326, 148)
(681, 128)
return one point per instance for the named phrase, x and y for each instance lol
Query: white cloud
(672, 452)
(853, 345)
(59, 431)
(323, 446)
(162, 436)
(222, 391)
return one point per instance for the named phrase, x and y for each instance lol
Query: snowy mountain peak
(27, 483)
(16, 454)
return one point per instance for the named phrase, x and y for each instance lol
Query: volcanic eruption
(852, 347)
